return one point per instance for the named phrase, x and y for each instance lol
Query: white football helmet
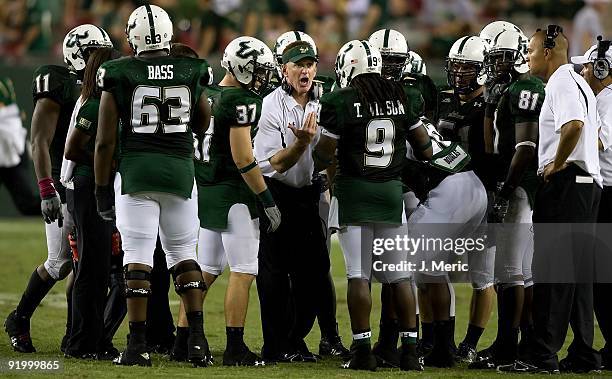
(356, 58)
(394, 51)
(491, 30)
(465, 64)
(506, 52)
(289, 37)
(78, 42)
(251, 62)
(415, 65)
(149, 28)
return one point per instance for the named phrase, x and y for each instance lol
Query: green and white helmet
(250, 61)
(357, 58)
(491, 30)
(149, 28)
(78, 42)
(394, 51)
(415, 65)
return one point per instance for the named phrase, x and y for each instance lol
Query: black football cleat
(483, 362)
(466, 353)
(568, 365)
(361, 359)
(133, 358)
(409, 359)
(386, 356)
(18, 330)
(520, 367)
(333, 347)
(198, 352)
(244, 357)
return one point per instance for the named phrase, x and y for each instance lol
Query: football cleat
(198, 352)
(442, 357)
(570, 365)
(243, 358)
(466, 353)
(409, 359)
(18, 330)
(361, 359)
(108, 354)
(521, 367)
(333, 347)
(483, 362)
(291, 357)
(386, 356)
(133, 358)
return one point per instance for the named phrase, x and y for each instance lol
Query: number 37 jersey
(156, 99)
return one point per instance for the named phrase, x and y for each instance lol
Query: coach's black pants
(603, 289)
(564, 296)
(20, 184)
(293, 266)
(93, 270)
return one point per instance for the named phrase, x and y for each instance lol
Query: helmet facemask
(393, 65)
(499, 64)
(463, 76)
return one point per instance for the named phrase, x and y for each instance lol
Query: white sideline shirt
(278, 111)
(569, 98)
(604, 110)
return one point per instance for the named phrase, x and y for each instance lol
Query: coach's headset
(601, 66)
(552, 32)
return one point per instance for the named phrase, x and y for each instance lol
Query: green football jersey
(156, 98)
(372, 141)
(428, 90)
(60, 85)
(87, 122)
(520, 103)
(231, 107)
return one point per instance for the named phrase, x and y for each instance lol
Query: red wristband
(46, 188)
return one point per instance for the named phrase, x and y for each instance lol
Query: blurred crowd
(35, 27)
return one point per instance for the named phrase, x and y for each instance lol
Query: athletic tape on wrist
(46, 188)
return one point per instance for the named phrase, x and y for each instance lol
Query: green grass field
(22, 247)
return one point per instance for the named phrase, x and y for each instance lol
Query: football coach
(568, 196)
(293, 260)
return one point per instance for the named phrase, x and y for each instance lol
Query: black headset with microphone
(601, 65)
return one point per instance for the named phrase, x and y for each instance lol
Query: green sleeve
(414, 105)
(108, 77)
(87, 118)
(526, 98)
(48, 82)
(238, 108)
(329, 115)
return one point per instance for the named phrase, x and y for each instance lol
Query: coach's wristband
(249, 167)
(266, 198)
(46, 188)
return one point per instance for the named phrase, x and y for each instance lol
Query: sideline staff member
(293, 261)
(570, 193)
(597, 72)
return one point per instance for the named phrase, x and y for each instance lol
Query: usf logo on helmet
(251, 62)
(78, 43)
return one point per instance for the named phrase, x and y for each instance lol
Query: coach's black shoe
(333, 347)
(244, 357)
(386, 356)
(133, 358)
(520, 367)
(198, 352)
(409, 360)
(291, 357)
(79, 355)
(466, 353)
(606, 358)
(18, 330)
(570, 365)
(107, 354)
(307, 355)
(361, 359)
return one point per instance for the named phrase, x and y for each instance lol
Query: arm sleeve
(414, 108)
(568, 103)
(270, 138)
(106, 78)
(87, 118)
(328, 118)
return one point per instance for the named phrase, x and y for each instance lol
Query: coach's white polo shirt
(279, 110)
(604, 110)
(569, 98)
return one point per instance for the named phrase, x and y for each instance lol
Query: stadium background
(31, 31)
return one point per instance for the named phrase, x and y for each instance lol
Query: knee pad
(59, 268)
(181, 286)
(137, 275)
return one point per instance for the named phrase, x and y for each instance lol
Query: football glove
(105, 203)
(500, 209)
(274, 217)
(51, 208)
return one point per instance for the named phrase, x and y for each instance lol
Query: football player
(55, 91)
(515, 98)
(228, 180)
(158, 99)
(369, 120)
(330, 343)
(461, 120)
(415, 74)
